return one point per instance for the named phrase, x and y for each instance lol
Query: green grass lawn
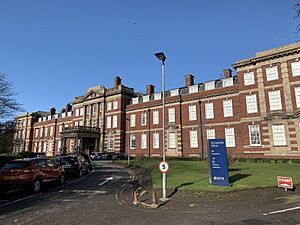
(194, 175)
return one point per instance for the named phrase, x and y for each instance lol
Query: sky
(54, 50)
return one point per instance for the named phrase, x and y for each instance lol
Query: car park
(74, 164)
(30, 173)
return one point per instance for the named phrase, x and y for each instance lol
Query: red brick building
(256, 111)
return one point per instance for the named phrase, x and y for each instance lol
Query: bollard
(135, 198)
(154, 201)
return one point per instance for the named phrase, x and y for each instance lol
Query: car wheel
(80, 173)
(36, 186)
(61, 179)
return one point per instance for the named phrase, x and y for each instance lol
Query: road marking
(106, 180)
(21, 199)
(83, 191)
(282, 211)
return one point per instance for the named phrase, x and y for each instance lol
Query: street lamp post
(161, 56)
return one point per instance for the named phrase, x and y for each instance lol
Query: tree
(8, 105)
(6, 136)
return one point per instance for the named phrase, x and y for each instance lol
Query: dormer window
(40, 119)
(210, 85)
(193, 89)
(174, 92)
(227, 82)
(157, 96)
(135, 100)
(146, 98)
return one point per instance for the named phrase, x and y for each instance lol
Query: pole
(164, 177)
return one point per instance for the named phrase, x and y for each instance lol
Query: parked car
(30, 173)
(74, 164)
(119, 156)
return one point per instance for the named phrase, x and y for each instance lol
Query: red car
(30, 173)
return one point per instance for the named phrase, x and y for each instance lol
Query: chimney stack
(117, 82)
(227, 73)
(63, 110)
(68, 108)
(52, 111)
(189, 80)
(150, 89)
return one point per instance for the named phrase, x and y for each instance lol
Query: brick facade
(256, 110)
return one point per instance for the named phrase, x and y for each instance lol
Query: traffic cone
(135, 198)
(154, 201)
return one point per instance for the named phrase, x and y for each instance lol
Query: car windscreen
(16, 165)
(67, 160)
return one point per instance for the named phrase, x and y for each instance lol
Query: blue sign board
(218, 162)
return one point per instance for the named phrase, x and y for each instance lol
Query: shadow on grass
(237, 177)
(184, 184)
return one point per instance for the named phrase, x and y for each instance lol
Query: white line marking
(21, 199)
(281, 211)
(106, 180)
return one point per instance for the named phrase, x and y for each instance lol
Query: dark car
(30, 173)
(74, 164)
(119, 156)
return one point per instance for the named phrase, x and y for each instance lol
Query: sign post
(285, 182)
(218, 162)
(163, 167)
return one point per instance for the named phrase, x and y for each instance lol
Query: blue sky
(55, 50)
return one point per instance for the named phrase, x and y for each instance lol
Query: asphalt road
(104, 197)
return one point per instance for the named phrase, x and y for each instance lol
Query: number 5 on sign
(163, 167)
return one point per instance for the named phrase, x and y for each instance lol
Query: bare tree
(297, 11)
(8, 105)
(7, 130)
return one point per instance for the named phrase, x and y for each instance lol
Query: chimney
(117, 82)
(189, 80)
(150, 89)
(52, 111)
(227, 73)
(68, 108)
(63, 110)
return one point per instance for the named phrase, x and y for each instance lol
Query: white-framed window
(110, 142)
(76, 123)
(77, 111)
(172, 140)
(94, 108)
(249, 78)
(46, 131)
(60, 128)
(193, 89)
(143, 141)
(40, 119)
(63, 115)
(100, 107)
(254, 135)
(108, 106)
(227, 108)
(135, 100)
(174, 92)
(146, 98)
(87, 109)
(155, 117)
(132, 120)
(192, 113)
(156, 140)
(81, 111)
(44, 146)
(132, 141)
(272, 73)
(80, 123)
(297, 96)
(115, 121)
(51, 131)
(171, 115)
(275, 100)
(115, 106)
(36, 133)
(143, 118)
(108, 122)
(41, 132)
(295, 68)
(278, 135)
(251, 103)
(40, 147)
(229, 137)
(59, 145)
(209, 85)
(209, 110)
(227, 82)
(210, 133)
(157, 96)
(193, 139)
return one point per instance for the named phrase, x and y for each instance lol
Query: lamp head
(161, 56)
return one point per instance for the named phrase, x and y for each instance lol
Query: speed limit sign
(163, 167)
